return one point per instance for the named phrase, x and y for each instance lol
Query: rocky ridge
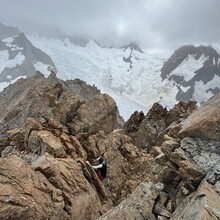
(158, 164)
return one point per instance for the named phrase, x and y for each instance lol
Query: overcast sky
(151, 23)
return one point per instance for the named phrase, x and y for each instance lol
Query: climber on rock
(101, 169)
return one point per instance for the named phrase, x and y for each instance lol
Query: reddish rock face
(202, 204)
(25, 194)
(42, 98)
(204, 122)
(147, 131)
(139, 205)
(97, 114)
(51, 188)
(128, 166)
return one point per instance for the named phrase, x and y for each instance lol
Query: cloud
(151, 23)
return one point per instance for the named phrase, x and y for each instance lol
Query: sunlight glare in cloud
(121, 28)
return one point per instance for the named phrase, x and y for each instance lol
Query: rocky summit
(162, 165)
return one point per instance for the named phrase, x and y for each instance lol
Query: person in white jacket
(101, 169)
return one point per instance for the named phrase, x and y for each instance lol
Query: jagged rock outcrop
(26, 194)
(177, 171)
(67, 175)
(59, 108)
(205, 122)
(200, 132)
(128, 166)
(206, 154)
(181, 162)
(180, 112)
(51, 189)
(202, 204)
(132, 125)
(149, 131)
(139, 205)
(44, 99)
(96, 114)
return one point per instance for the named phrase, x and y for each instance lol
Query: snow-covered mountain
(133, 77)
(18, 57)
(195, 72)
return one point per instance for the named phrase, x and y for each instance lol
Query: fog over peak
(150, 23)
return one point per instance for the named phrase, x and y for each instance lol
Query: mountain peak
(23, 58)
(191, 68)
(182, 54)
(78, 41)
(197, 51)
(133, 46)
